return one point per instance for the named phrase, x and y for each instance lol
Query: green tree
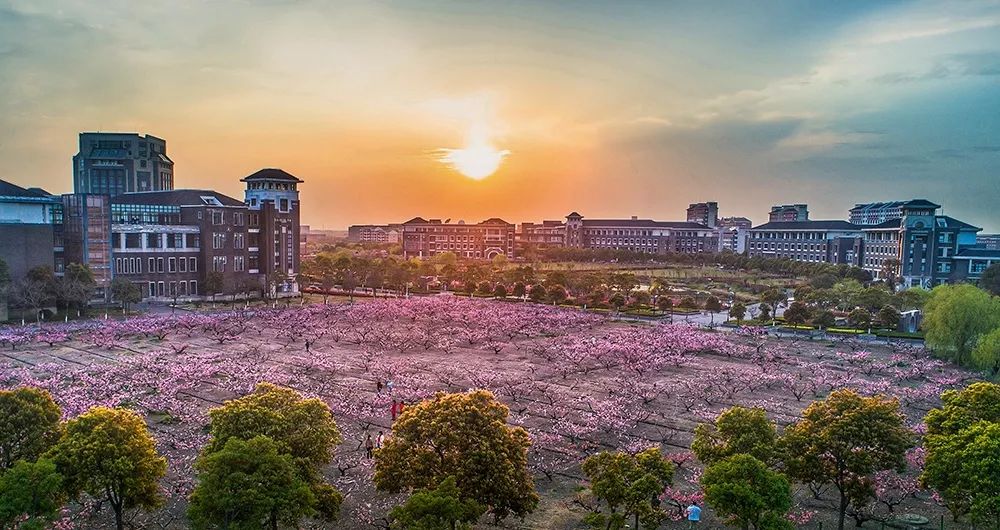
(557, 294)
(843, 440)
(736, 431)
(912, 298)
(500, 291)
(519, 290)
(713, 306)
(986, 356)
(797, 313)
(774, 297)
(537, 293)
(956, 465)
(990, 279)
(823, 281)
(213, 284)
(29, 424)
(464, 435)
(440, 508)
(747, 494)
(765, 310)
(31, 494)
(125, 292)
(688, 303)
(845, 293)
(956, 316)
(888, 317)
(109, 454)
(617, 300)
(738, 311)
(824, 319)
(78, 285)
(249, 484)
(630, 486)
(874, 298)
(860, 318)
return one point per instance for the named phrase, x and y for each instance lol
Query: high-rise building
(116, 163)
(273, 198)
(706, 213)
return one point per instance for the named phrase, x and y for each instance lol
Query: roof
(809, 225)
(977, 252)
(884, 225)
(644, 223)
(8, 189)
(271, 174)
(175, 198)
(574, 214)
(490, 221)
(921, 203)
(912, 203)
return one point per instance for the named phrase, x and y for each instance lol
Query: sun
(478, 159)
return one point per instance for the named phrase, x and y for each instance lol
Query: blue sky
(608, 108)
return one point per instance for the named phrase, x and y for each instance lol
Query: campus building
(391, 233)
(640, 235)
(788, 213)
(30, 229)
(116, 163)
(706, 213)
(424, 238)
(989, 241)
(546, 234)
(831, 241)
(874, 213)
(734, 232)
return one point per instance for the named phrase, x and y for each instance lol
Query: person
(393, 410)
(400, 408)
(388, 385)
(378, 386)
(694, 515)
(379, 440)
(369, 445)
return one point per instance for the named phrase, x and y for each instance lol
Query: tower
(273, 199)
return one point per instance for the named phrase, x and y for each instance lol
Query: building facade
(988, 241)
(546, 234)
(705, 213)
(390, 233)
(734, 232)
(425, 238)
(640, 235)
(788, 213)
(809, 241)
(116, 163)
(28, 219)
(272, 197)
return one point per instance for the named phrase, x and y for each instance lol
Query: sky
(610, 109)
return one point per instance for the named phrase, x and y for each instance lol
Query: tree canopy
(843, 440)
(464, 435)
(737, 430)
(31, 493)
(748, 494)
(630, 486)
(109, 454)
(249, 484)
(29, 424)
(440, 508)
(956, 316)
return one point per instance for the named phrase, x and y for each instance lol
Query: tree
(712, 305)
(797, 313)
(990, 279)
(912, 298)
(617, 300)
(31, 494)
(823, 281)
(500, 291)
(78, 285)
(557, 294)
(249, 484)
(537, 293)
(843, 440)
(688, 304)
(955, 316)
(736, 431)
(888, 317)
(464, 435)
(765, 310)
(738, 311)
(960, 462)
(109, 454)
(440, 508)
(519, 290)
(31, 295)
(125, 292)
(986, 356)
(29, 424)
(499, 262)
(860, 318)
(824, 319)
(845, 293)
(774, 297)
(213, 284)
(747, 494)
(631, 484)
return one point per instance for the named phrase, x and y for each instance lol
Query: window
(219, 263)
(239, 241)
(193, 264)
(152, 288)
(283, 205)
(171, 264)
(239, 264)
(238, 219)
(218, 240)
(152, 267)
(193, 287)
(183, 264)
(217, 217)
(159, 265)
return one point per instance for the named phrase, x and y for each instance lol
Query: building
(390, 233)
(30, 229)
(706, 213)
(734, 233)
(546, 234)
(640, 235)
(917, 248)
(874, 213)
(810, 241)
(988, 241)
(87, 236)
(788, 213)
(116, 163)
(274, 231)
(425, 238)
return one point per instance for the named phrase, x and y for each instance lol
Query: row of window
(178, 288)
(219, 263)
(156, 265)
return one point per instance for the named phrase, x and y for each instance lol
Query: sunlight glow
(478, 159)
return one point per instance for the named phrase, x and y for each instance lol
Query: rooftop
(177, 198)
(271, 173)
(809, 225)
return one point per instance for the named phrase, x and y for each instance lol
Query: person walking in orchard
(694, 515)
(369, 446)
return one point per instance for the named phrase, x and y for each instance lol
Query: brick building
(640, 235)
(425, 238)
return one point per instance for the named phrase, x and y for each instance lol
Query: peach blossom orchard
(577, 382)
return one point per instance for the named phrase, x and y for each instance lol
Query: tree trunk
(119, 523)
(842, 512)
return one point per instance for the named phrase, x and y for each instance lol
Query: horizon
(523, 111)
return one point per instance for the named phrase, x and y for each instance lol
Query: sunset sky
(610, 108)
